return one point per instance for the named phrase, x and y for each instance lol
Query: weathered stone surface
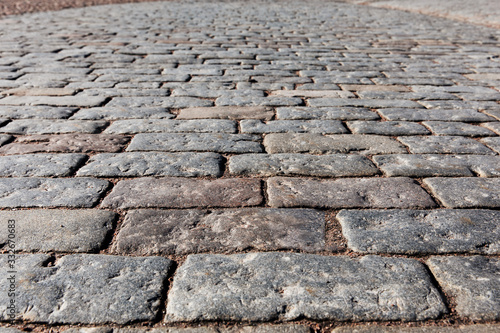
(184, 193)
(467, 115)
(331, 144)
(147, 232)
(128, 289)
(347, 193)
(313, 93)
(387, 128)
(433, 165)
(4, 138)
(283, 328)
(473, 282)
(220, 143)
(457, 128)
(49, 192)
(77, 100)
(227, 112)
(368, 103)
(422, 231)
(493, 143)
(286, 286)
(166, 102)
(343, 113)
(293, 126)
(257, 101)
(375, 87)
(110, 113)
(444, 145)
(478, 328)
(39, 112)
(39, 92)
(265, 165)
(466, 192)
(65, 143)
(153, 164)
(170, 125)
(58, 230)
(28, 126)
(40, 165)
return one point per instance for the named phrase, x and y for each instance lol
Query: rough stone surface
(58, 230)
(492, 143)
(347, 193)
(227, 112)
(37, 112)
(344, 113)
(286, 286)
(457, 128)
(129, 289)
(467, 115)
(168, 125)
(422, 231)
(78, 100)
(293, 126)
(108, 113)
(473, 282)
(466, 192)
(282, 328)
(387, 128)
(40, 165)
(26, 126)
(477, 328)
(444, 145)
(184, 193)
(147, 232)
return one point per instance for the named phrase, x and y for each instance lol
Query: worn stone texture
(387, 128)
(110, 113)
(129, 289)
(466, 192)
(281, 328)
(227, 112)
(286, 286)
(293, 126)
(166, 102)
(169, 125)
(152, 164)
(422, 231)
(37, 112)
(77, 100)
(492, 143)
(444, 145)
(40, 165)
(347, 193)
(325, 113)
(184, 193)
(58, 230)
(467, 115)
(473, 282)
(457, 128)
(42, 126)
(477, 328)
(147, 232)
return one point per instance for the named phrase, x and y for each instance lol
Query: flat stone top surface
(258, 166)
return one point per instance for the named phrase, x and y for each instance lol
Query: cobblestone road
(249, 167)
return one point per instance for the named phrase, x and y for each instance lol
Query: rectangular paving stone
(166, 102)
(422, 231)
(287, 286)
(257, 101)
(476, 328)
(340, 113)
(153, 164)
(180, 232)
(172, 126)
(40, 165)
(113, 113)
(313, 93)
(387, 128)
(50, 192)
(375, 87)
(77, 100)
(433, 165)
(43, 126)
(466, 192)
(492, 143)
(493, 126)
(473, 282)
(444, 145)
(39, 92)
(331, 144)
(457, 128)
(39, 112)
(347, 193)
(184, 193)
(293, 126)
(368, 103)
(65, 143)
(129, 289)
(220, 143)
(58, 230)
(227, 112)
(265, 165)
(280, 328)
(467, 115)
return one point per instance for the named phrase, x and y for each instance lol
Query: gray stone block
(77, 100)
(328, 113)
(227, 112)
(457, 128)
(172, 126)
(110, 113)
(40, 165)
(444, 145)
(38, 112)
(477, 328)
(367, 103)
(293, 126)
(467, 115)
(166, 102)
(28, 126)
(257, 101)
(492, 143)
(466, 192)
(387, 128)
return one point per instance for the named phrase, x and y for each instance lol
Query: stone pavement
(248, 167)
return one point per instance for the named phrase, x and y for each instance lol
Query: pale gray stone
(386, 128)
(477, 328)
(40, 165)
(287, 286)
(331, 144)
(466, 192)
(293, 126)
(49, 192)
(457, 128)
(467, 115)
(368, 103)
(283, 328)
(422, 231)
(473, 282)
(492, 143)
(110, 113)
(77, 100)
(4, 138)
(265, 165)
(166, 102)
(128, 289)
(347, 193)
(340, 113)
(227, 112)
(153, 164)
(444, 145)
(38, 112)
(220, 143)
(42, 126)
(58, 230)
(493, 126)
(172, 126)
(257, 101)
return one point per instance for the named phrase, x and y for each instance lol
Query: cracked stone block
(466, 192)
(287, 286)
(129, 289)
(457, 128)
(59, 230)
(40, 165)
(265, 165)
(347, 193)
(477, 328)
(444, 145)
(467, 115)
(331, 144)
(180, 232)
(109, 113)
(51, 192)
(201, 142)
(422, 231)
(368, 103)
(387, 128)
(153, 164)
(42, 126)
(65, 143)
(166, 102)
(492, 143)
(435, 165)
(78, 100)
(227, 112)
(328, 113)
(473, 282)
(184, 193)
(173, 126)
(291, 126)
(38, 112)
